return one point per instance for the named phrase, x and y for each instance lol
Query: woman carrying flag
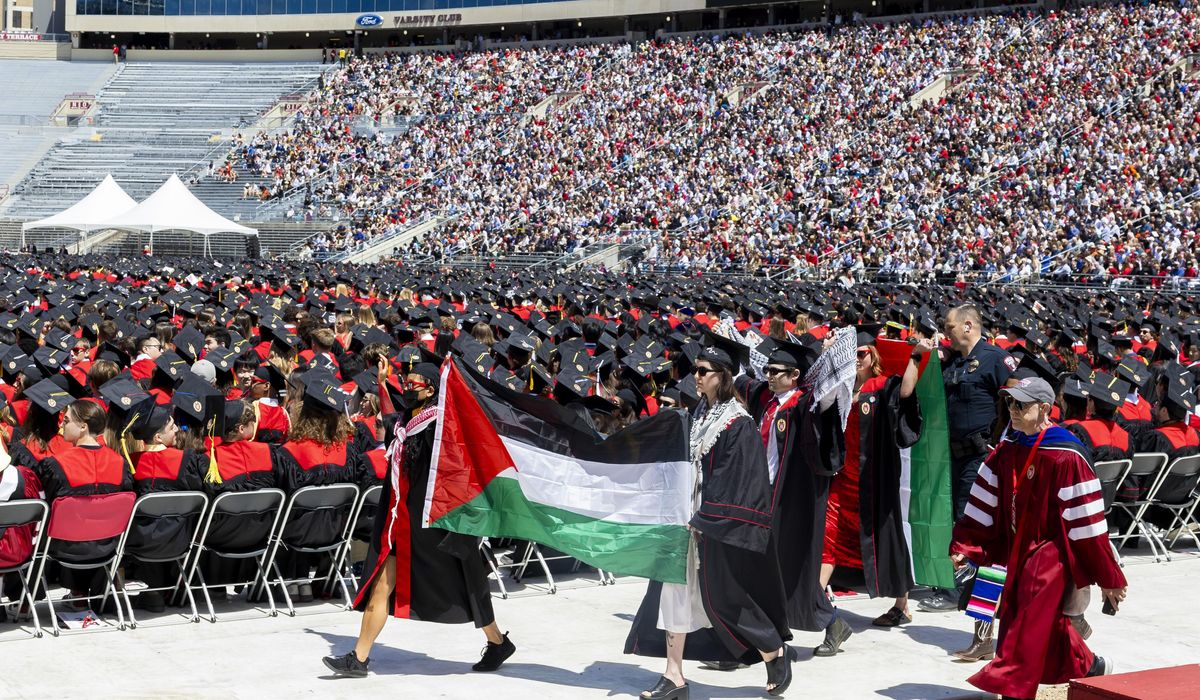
(419, 573)
(739, 613)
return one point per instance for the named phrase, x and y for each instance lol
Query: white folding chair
(293, 534)
(188, 507)
(21, 513)
(245, 522)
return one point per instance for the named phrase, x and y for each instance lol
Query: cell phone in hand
(1108, 608)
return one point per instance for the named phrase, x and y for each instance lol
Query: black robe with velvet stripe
(440, 576)
(740, 583)
(887, 424)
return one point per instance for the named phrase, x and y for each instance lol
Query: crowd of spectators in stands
(1063, 144)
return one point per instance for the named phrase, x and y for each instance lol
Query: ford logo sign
(369, 21)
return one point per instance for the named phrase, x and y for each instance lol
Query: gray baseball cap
(1030, 389)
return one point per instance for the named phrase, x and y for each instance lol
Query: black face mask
(409, 398)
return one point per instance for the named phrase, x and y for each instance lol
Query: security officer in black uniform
(974, 371)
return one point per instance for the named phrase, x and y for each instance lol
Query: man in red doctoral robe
(1036, 508)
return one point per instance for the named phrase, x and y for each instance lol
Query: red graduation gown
(1062, 545)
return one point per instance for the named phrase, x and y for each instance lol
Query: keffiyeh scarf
(833, 373)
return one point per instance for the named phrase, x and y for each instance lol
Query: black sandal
(665, 689)
(779, 671)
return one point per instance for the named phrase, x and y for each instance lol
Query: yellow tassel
(213, 476)
(125, 443)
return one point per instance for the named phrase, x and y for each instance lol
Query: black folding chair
(1149, 466)
(239, 526)
(21, 513)
(310, 510)
(185, 508)
(364, 521)
(1178, 495)
(1111, 475)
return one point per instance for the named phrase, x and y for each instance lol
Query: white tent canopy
(173, 207)
(103, 203)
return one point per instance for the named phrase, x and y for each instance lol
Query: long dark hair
(725, 387)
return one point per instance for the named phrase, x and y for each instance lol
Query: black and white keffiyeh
(833, 372)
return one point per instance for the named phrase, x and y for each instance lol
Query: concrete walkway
(569, 646)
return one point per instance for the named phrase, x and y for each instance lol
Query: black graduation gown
(158, 472)
(814, 448)
(887, 424)
(739, 574)
(244, 466)
(440, 576)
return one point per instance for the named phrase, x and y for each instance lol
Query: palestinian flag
(925, 485)
(512, 465)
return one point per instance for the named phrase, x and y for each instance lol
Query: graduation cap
(428, 371)
(520, 341)
(1107, 351)
(28, 325)
(508, 379)
(1178, 398)
(1075, 388)
(1109, 390)
(171, 366)
(599, 404)
(13, 360)
(59, 339)
(189, 344)
(537, 379)
(688, 392)
(867, 333)
(571, 386)
(278, 333)
(790, 354)
(1033, 366)
(49, 396)
(123, 394)
(49, 359)
(195, 401)
(221, 358)
(633, 399)
(1132, 370)
(724, 352)
(227, 416)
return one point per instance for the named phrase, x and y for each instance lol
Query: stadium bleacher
(154, 120)
(33, 89)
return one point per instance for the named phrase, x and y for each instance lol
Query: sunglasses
(1013, 404)
(702, 371)
(772, 371)
(417, 385)
(863, 353)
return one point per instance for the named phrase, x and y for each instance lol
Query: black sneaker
(1100, 667)
(347, 665)
(495, 655)
(938, 603)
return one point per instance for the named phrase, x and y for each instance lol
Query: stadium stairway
(155, 120)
